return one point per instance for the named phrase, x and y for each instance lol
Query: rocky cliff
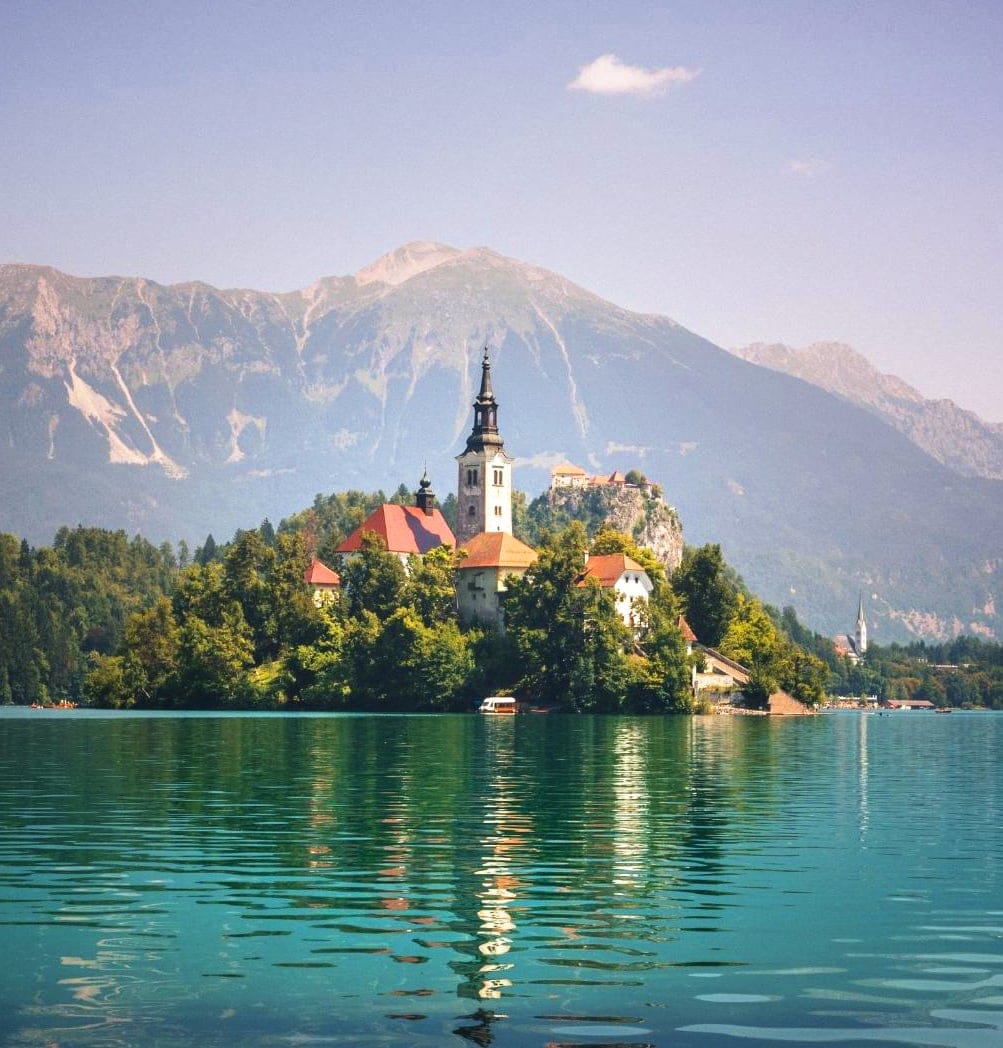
(639, 512)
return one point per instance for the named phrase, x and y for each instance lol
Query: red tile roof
(496, 549)
(686, 630)
(405, 529)
(607, 568)
(319, 574)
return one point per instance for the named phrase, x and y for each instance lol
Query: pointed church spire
(860, 635)
(484, 477)
(485, 432)
(486, 393)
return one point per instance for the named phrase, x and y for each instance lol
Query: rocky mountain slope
(179, 410)
(636, 511)
(957, 438)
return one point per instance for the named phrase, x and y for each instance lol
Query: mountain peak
(834, 366)
(956, 438)
(406, 262)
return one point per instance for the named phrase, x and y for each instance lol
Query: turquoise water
(558, 881)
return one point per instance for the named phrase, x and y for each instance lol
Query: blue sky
(762, 171)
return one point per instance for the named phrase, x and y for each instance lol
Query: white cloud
(639, 450)
(541, 460)
(607, 75)
(807, 167)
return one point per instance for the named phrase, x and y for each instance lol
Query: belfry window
(471, 478)
(499, 478)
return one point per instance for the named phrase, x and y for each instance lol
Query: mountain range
(179, 410)
(957, 438)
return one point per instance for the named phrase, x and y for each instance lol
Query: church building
(406, 531)
(854, 646)
(490, 553)
(484, 481)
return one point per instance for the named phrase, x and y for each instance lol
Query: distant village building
(484, 475)
(626, 578)
(720, 678)
(567, 475)
(323, 582)
(407, 531)
(491, 557)
(854, 647)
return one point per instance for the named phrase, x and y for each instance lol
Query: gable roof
(606, 569)
(404, 529)
(686, 630)
(319, 574)
(496, 549)
(722, 663)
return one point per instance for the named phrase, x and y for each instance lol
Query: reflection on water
(500, 881)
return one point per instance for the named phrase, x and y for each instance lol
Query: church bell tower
(484, 476)
(860, 637)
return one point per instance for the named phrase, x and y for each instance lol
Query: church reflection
(864, 808)
(630, 807)
(503, 851)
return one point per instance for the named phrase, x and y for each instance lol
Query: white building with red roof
(323, 582)
(625, 577)
(407, 531)
(490, 558)
(568, 476)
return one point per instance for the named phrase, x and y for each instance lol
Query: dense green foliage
(963, 672)
(116, 622)
(61, 603)
(241, 630)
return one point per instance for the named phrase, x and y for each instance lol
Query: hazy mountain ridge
(179, 410)
(953, 436)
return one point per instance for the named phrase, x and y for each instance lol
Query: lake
(178, 879)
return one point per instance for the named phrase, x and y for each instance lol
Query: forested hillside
(62, 604)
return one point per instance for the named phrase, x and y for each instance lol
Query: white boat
(498, 704)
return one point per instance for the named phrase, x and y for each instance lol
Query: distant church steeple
(860, 636)
(484, 478)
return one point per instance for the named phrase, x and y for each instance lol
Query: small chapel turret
(484, 477)
(424, 497)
